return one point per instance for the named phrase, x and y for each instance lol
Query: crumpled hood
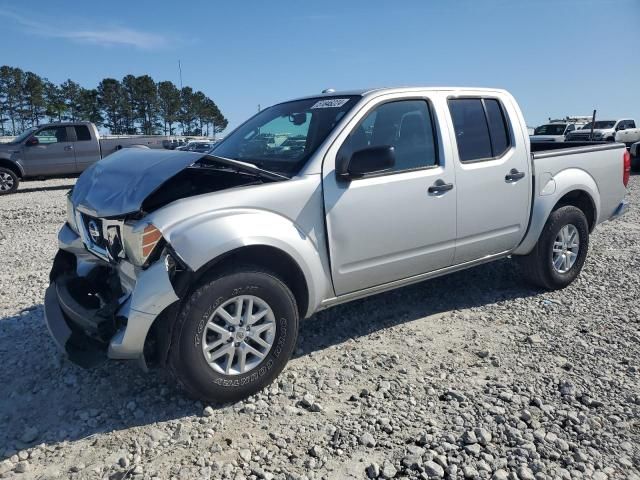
(118, 184)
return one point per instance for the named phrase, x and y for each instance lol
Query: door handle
(440, 187)
(513, 176)
(68, 148)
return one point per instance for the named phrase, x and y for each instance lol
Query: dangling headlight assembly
(142, 244)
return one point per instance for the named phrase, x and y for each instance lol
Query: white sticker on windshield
(330, 103)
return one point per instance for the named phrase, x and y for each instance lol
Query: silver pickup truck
(64, 148)
(204, 264)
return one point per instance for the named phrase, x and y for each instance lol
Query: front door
(392, 225)
(51, 155)
(492, 177)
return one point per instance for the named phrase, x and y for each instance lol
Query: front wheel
(561, 251)
(234, 335)
(8, 181)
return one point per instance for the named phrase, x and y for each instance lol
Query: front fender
(549, 190)
(5, 158)
(200, 239)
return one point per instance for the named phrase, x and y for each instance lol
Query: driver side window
(406, 125)
(51, 135)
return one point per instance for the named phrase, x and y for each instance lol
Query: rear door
(85, 146)
(400, 223)
(52, 155)
(492, 176)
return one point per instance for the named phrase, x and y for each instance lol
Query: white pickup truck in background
(628, 136)
(603, 130)
(553, 132)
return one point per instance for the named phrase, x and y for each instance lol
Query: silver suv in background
(204, 264)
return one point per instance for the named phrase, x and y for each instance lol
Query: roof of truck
(379, 90)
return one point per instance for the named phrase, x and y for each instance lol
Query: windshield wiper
(247, 167)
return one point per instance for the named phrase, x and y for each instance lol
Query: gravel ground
(474, 375)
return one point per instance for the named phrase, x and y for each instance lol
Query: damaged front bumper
(97, 310)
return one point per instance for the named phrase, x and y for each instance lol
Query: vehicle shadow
(483, 285)
(47, 188)
(45, 399)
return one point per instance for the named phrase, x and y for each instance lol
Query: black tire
(9, 181)
(187, 365)
(538, 266)
(635, 163)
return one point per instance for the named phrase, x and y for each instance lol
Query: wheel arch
(270, 258)
(569, 187)
(13, 166)
(257, 237)
(582, 200)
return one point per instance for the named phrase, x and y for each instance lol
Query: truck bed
(545, 146)
(602, 162)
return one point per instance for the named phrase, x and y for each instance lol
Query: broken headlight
(142, 244)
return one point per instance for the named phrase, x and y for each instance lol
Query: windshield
(23, 136)
(550, 129)
(283, 137)
(600, 124)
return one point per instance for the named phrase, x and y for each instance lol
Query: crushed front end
(110, 280)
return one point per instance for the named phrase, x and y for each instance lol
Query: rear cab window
(82, 133)
(481, 127)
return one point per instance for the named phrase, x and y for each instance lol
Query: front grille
(95, 232)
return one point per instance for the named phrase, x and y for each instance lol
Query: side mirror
(621, 127)
(366, 161)
(32, 141)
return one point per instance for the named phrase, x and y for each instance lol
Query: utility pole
(180, 72)
(593, 124)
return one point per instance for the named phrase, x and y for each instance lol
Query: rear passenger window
(481, 128)
(406, 125)
(497, 127)
(82, 133)
(470, 125)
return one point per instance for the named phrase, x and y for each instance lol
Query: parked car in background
(62, 148)
(197, 146)
(552, 132)
(204, 264)
(603, 130)
(174, 143)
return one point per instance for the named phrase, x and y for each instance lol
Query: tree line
(132, 105)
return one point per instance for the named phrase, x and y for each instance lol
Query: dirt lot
(474, 375)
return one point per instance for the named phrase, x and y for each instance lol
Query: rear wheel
(561, 251)
(234, 335)
(8, 181)
(635, 161)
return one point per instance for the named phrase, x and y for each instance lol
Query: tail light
(626, 167)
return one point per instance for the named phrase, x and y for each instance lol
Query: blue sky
(557, 57)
